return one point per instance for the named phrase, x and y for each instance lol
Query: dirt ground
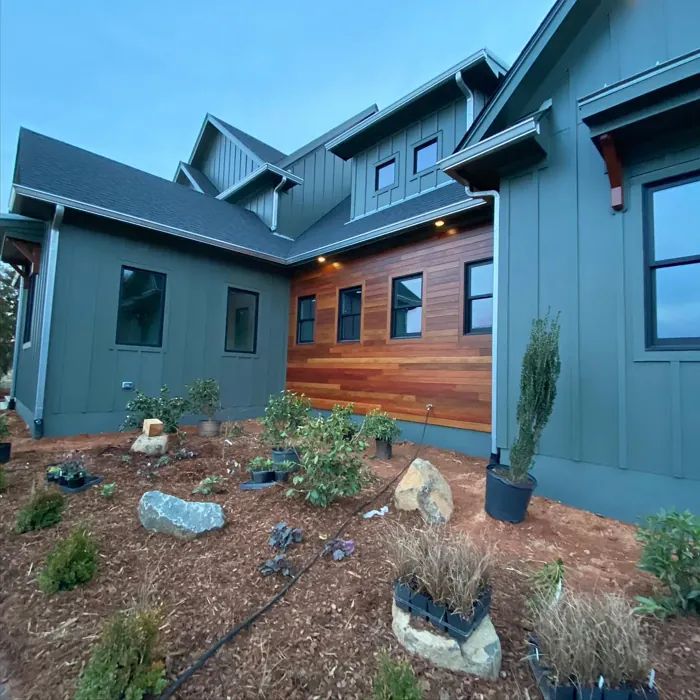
(322, 639)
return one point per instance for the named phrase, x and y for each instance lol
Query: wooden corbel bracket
(607, 148)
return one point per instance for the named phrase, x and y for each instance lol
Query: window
(241, 321)
(306, 319)
(141, 307)
(673, 265)
(385, 175)
(425, 156)
(349, 313)
(29, 309)
(407, 307)
(478, 297)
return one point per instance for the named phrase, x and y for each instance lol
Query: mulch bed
(322, 639)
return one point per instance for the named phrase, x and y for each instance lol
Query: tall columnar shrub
(285, 413)
(169, 409)
(538, 390)
(204, 397)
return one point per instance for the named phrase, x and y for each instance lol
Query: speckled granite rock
(170, 515)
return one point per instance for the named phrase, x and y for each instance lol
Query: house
(382, 262)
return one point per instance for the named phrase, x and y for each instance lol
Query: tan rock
(425, 489)
(152, 427)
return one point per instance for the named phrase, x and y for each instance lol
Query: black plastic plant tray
(455, 625)
(571, 692)
(254, 486)
(88, 483)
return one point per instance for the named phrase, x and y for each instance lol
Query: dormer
(395, 151)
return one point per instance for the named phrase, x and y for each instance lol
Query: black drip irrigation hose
(235, 631)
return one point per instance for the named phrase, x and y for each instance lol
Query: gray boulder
(159, 512)
(151, 446)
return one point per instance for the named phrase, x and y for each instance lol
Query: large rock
(479, 654)
(423, 488)
(151, 446)
(160, 512)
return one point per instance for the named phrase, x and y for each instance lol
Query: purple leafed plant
(282, 536)
(278, 564)
(340, 549)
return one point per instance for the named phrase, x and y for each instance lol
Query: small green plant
(4, 428)
(261, 464)
(547, 584)
(285, 413)
(671, 552)
(169, 409)
(284, 466)
(381, 426)
(538, 390)
(209, 485)
(331, 465)
(395, 680)
(124, 663)
(231, 430)
(162, 461)
(204, 397)
(44, 509)
(108, 490)
(73, 561)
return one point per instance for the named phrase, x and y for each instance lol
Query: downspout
(51, 259)
(468, 94)
(15, 355)
(496, 196)
(275, 202)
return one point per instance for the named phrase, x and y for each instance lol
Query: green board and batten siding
(624, 438)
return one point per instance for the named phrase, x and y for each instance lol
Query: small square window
(306, 319)
(425, 156)
(385, 175)
(29, 309)
(141, 307)
(349, 314)
(478, 297)
(241, 321)
(407, 307)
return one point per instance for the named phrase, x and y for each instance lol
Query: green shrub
(381, 426)
(204, 397)
(43, 510)
(538, 389)
(122, 663)
(285, 413)
(261, 464)
(395, 680)
(107, 490)
(4, 428)
(671, 552)
(209, 485)
(331, 465)
(71, 562)
(168, 409)
(546, 584)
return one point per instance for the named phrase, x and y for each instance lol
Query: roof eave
(242, 186)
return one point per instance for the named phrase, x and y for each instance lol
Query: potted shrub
(204, 398)
(283, 469)
(72, 475)
(590, 646)
(5, 445)
(509, 489)
(285, 413)
(261, 470)
(382, 427)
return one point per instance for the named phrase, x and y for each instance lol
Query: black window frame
(469, 298)
(342, 316)
(230, 289)
(395, 308)
(159, 344)
(30, 299)
(300, 320)
(420, 146)
(651, 264)
(389, 161)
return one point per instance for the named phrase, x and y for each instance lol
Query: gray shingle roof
(62, 170)
(264, 151)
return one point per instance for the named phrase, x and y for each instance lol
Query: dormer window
(425, 156)
(385, 174)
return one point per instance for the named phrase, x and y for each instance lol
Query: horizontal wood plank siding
(445, 368)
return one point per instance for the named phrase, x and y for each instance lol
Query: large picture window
(241, 321)
(478, 297)
(29, 309)
(673, 264)
(141, 307)
(306, 319)
(407, 307)
(349, 313)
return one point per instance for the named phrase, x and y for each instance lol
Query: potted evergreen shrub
(382, 427)
(285, 413)
(5, 445)
(261, 470)
(204, 398)
(509, 489)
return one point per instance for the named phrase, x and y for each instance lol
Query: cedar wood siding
(443, 367)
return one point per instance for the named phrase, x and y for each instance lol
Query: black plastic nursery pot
(281, 475)
(73, 482)
(262, 476)
(5, 451)
(383, 449)
(504, 500)
(290, 455)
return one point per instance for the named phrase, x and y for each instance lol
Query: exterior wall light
(439, 223)
(321, 259)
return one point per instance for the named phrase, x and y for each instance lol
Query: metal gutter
(468, 94)
(276, 201)
(50, 267)
(145, 223)
(15, 352)
(266, 167)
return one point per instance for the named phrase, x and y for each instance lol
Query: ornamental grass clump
(583, 637)
(285, 413)
(44, 509)
(125, 663)
(395, 680)
(538, 390)
(72, 562)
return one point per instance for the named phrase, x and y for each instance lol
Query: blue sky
(133, 79)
